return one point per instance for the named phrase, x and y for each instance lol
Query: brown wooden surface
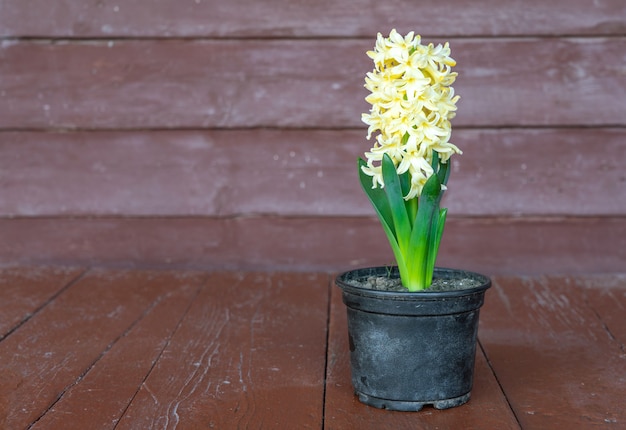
(200, 133)
(492, 245)
(532, 327)
(103, 393)
(299, 173)
(24, 293)
(128, 84)
(250, 18)
(127, 349)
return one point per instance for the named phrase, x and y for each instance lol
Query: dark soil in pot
(408, 350)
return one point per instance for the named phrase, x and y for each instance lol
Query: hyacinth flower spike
(406, 171)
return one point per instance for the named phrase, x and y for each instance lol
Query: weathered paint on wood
(101, 396)
(278, 18)
(23, 292)
(487, 408)
(607, 298)
(540, 120)
(250, 353)
(53, 350)
(299, 173)
(558, 364)
(295, 83)
(135, 349)
(491, 245)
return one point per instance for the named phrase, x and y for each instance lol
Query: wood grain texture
(129, 84)
(23, 292)
(71, 334)
(487, 408)
(278, 18)
(606, 296)
(541, 338)
(491, 245)
(103, 394)
(131, 349)
(127, 131)
(528, 172)
(249, 354)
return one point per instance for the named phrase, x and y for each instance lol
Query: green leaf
(435, 161)
(413, 227)
(380, 202)
(435, 239)
(405, 183)
(393, 190)
(423, 234)
(444, 172)
(377, 197)
(411, 204)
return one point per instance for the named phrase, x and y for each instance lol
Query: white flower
(412, 104)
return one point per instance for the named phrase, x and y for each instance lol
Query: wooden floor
(113, 349)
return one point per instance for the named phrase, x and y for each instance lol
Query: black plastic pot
(408, 350)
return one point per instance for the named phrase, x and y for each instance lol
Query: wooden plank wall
(211, 134)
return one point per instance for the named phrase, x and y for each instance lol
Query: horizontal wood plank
(299, 173)
(133, 84)
(537, 334)
(71, 334)
(250, 353)
(491, 245)
(277, 18)
(487, 407)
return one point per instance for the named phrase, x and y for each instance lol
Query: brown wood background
(198, 133)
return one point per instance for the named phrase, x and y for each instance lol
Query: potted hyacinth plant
(412, 327)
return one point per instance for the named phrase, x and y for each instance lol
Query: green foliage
(413, 227)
